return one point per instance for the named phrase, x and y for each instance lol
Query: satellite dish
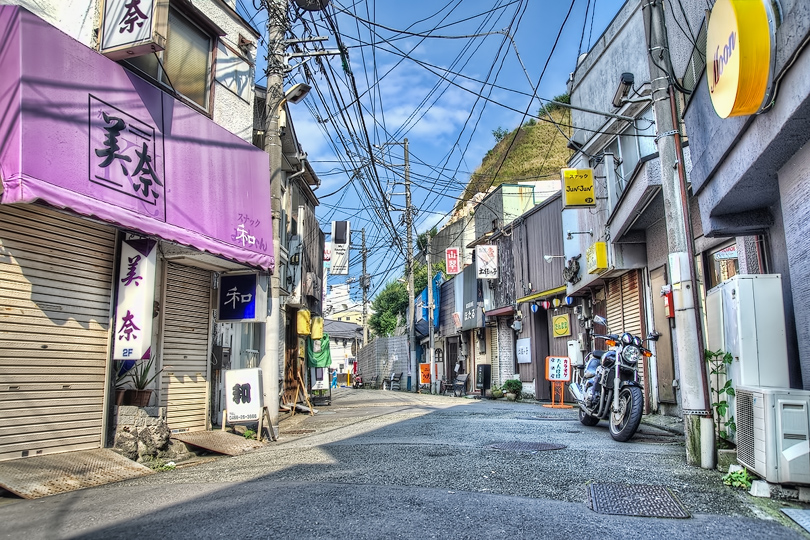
(312, 5)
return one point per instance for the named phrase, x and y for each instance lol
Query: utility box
(483, 378)
(773, 427)
(575, 353)
(746, 317)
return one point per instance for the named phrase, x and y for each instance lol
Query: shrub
(513, 386)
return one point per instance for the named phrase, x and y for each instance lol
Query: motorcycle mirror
(598, 319)
(653, 336)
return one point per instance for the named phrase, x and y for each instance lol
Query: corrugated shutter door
(55, 291)
(624, 311)
(186, 338)
(496, 360)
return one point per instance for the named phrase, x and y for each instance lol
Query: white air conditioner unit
(773, 433)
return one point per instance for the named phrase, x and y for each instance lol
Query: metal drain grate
(298, 431)
(634, 500)
(551, 419)
(519, 446)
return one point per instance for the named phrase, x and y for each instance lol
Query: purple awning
(78, 131)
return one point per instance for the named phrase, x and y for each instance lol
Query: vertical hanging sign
(132, 28)
(136, 295)
(451, 262)
(486, 261)
(341, 234)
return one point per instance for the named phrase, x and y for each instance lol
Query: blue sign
(237, 297)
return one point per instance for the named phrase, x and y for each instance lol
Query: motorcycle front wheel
(586, 419)
(625, 421)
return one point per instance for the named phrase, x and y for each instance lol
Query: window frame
(200, 22)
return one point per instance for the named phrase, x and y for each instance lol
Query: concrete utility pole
(364, 285)
(409, 267)
(431, 355)
(270, 362)
(694, 392)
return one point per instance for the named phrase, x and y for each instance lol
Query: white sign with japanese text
(486, 262)
(524, 351)
(243, 390)
(134, 27)
(341, 235)
(136, 296)
(558, 368)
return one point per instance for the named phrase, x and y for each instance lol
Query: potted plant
(120, 373)
(140, 375)
(496, 391)
(513, 388)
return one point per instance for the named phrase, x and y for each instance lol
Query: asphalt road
(380, 464)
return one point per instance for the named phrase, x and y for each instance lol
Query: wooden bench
(372, 383)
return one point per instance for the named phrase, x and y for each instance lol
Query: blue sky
(442, 74)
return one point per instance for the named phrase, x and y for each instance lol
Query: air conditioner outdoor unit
(773, 433)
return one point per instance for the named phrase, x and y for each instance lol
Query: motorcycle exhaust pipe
(576, 391)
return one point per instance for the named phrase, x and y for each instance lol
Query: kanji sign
(451, 260)
(242, 298)
(558, 368)
(136, 296)
(524, 351)
(134, 27)
(244, 398)
(486, 261)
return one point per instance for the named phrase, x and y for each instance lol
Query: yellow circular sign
(739, 55)
(561, 325)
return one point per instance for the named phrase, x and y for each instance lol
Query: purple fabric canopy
(78, 131)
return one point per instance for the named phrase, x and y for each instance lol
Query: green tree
(390, 306)
(499, 134)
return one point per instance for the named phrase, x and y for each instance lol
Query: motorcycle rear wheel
(586, 419)
(623, 424)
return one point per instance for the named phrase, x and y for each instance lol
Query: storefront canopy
(78, 131)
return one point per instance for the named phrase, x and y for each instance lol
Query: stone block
(760, 488)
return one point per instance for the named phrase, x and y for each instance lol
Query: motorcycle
(609, 383)
(357, 382)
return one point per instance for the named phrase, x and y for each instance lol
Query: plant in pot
(141, 377)
(121, 370)
(513, 388)
(496, 391)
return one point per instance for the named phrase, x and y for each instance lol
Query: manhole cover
(634, 500)
(299, 431)
(518, 446)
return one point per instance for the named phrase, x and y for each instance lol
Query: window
(722, 264)
(186, 62)
(631, 146)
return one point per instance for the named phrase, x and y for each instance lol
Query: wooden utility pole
(409, 268)
(364, 284)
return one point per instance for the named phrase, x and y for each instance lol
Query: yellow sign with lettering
(739, 56)
(596, 258)
(561, 325)
(578, 188)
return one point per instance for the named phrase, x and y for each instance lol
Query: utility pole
(431, 355)
(364, 285)
(694, 390)
(409, 267)
(270, 362)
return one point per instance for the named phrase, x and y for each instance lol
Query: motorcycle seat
(598, 354)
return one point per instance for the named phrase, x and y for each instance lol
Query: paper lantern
(569, 300)
(534, 308)
(546, 304)
(556, 302)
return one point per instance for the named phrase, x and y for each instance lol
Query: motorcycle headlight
(631, 355)
(626, 339)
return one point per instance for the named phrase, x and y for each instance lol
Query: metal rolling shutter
(624, 311)
(186, 341)
(56, 279)
(495, 358)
